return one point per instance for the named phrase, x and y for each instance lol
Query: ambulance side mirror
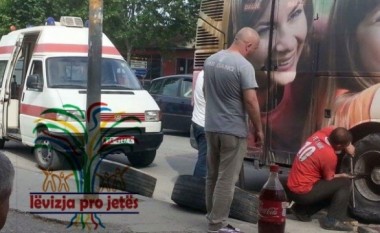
(34, 82)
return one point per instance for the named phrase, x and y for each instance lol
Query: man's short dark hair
(340, 136)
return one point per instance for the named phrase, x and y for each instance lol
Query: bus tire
(141, 159)
(113, 175)
(366, 190)
(244, 206)
(189, 191)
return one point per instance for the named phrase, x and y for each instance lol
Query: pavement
(150, 216)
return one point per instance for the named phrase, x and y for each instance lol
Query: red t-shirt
(316, 160)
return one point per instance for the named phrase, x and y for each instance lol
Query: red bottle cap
(274, 168)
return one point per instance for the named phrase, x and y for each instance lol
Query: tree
(130, 24)
(23, 13)
(161, 24)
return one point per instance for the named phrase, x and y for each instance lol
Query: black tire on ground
(141, 159)
(366, 191)
(46, 156)
(2, 143)
(244, 206)
(114, 175)
(189, 191)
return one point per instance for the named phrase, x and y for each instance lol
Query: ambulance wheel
(141, 159)
(46, 156)
(365, 199)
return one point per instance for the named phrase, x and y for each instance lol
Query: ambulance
(43, 80)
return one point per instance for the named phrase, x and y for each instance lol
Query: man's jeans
(200, 138)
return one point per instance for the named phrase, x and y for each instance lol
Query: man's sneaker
(226, 229)
(334, 224)
(303, 217)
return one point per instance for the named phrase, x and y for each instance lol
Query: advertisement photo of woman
(353, 64)
(287, 81)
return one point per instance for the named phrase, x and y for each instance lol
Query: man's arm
(252, 107)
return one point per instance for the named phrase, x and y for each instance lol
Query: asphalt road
(175, 157)
(20, 222)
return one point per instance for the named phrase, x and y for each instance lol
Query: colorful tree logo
(72, 147)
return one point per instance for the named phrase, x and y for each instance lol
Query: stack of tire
(189, 192)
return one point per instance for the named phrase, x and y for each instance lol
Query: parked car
(173, 96)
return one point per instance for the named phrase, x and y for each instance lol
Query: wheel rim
(44, 152)
(375, 175)
(367, 168)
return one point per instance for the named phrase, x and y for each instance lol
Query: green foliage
(130, 24)
(22, 13)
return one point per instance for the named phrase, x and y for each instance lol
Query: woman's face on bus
(288, 39)
(368, 34)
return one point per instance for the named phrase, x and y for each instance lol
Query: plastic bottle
(272, 204)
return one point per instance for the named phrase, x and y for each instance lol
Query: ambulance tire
(189, 191)
(141, 159)
(46, 156)
(2, 143)
(366, 191)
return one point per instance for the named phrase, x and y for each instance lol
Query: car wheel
(141, 159)
(189, 191)
(46, 156)
(365, 201)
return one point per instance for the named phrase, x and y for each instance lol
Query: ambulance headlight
(80, 115)
(152, 115)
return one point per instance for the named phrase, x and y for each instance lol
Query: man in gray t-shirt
(229, 85)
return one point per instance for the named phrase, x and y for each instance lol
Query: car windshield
(71, 73)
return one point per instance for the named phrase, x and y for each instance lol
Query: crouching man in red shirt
(312, 182)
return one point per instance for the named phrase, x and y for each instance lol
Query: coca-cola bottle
(272, 204)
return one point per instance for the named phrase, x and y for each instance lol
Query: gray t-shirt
(226, 75)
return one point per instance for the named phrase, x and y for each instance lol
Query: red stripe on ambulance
(33, 110)
(71, 48)
(6, 49)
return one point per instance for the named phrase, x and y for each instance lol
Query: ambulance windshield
(71, 73)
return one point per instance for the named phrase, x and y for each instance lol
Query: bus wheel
(141, 159)
(365, 202)
(46, 156)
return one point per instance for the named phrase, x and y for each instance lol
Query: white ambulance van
(44, 68)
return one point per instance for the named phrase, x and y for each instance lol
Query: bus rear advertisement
(318, 64)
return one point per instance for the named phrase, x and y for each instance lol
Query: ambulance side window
(3, 65)
(37, 68)
(17, 78)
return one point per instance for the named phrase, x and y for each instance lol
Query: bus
(318, 64)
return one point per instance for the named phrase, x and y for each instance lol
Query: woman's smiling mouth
(285, 64)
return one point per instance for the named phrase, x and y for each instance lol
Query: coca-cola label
(272, 211)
